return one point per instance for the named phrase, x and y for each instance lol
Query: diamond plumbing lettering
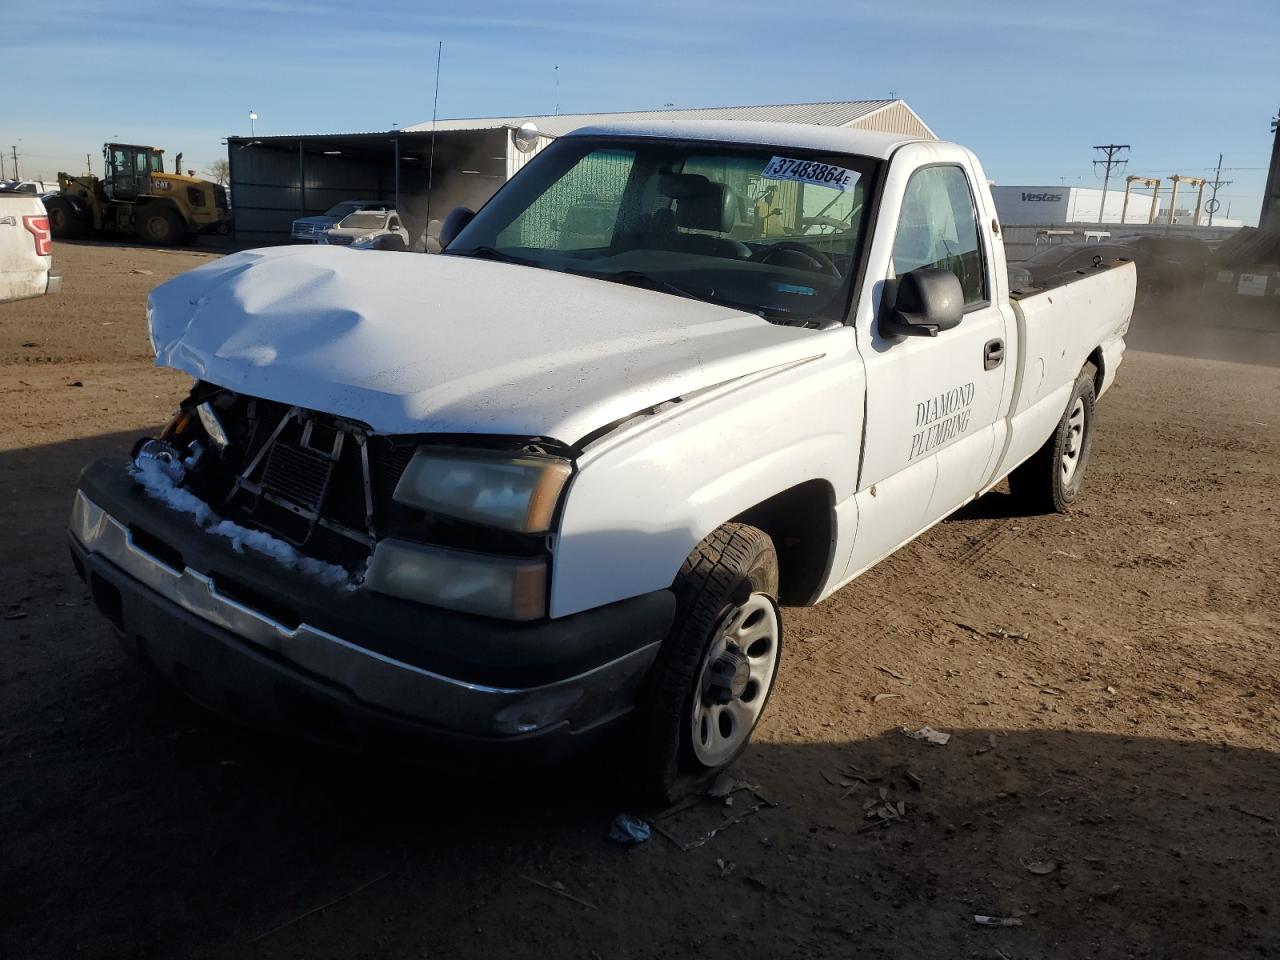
(940, 419)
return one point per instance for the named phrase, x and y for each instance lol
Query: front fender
(643, 497)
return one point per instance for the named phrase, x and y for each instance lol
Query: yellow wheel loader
(137, 197)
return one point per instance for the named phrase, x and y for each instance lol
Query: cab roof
(804, 136)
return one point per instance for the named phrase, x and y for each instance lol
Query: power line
(1109, 151)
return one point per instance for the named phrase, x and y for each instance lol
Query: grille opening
(157, 548)
(244, 594)
(106, 597)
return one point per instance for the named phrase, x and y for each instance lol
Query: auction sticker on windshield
(810, 171)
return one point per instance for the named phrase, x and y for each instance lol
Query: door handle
(993, 354)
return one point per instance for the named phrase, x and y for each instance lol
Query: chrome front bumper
(578, 702)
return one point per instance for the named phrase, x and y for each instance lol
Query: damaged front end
(462, 523)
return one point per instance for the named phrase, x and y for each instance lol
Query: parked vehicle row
(558, 482)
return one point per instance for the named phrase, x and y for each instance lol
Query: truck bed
(1062, 323)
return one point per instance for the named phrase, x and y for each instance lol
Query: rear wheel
(715, 671)
(65, 222)
(1053, 476)
(159, 224)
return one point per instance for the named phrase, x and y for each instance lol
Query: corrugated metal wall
(268, 192)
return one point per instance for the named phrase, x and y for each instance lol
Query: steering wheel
(824, 263)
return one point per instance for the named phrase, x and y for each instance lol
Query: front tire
(1051, 479)
(65, 221)
(160, 225)
(715, 671)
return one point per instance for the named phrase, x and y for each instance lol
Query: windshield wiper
(637, 278)
(487, 253)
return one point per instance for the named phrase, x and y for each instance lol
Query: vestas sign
(1045, 197)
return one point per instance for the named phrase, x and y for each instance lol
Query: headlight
(517, 493)
(513, 588)
(213, 426)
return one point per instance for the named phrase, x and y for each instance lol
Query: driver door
(932, 402)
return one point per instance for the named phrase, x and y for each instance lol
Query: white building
(1047, 206)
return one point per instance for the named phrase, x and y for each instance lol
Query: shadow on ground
(136, 825)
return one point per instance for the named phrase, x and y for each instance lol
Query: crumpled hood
(423, 344)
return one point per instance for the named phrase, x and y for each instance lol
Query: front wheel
(65, 222)
(716, 669)
(1054, 474)
(159, 224)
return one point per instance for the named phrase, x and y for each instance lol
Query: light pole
(252, 117)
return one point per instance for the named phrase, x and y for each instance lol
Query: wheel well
(799, 521)
(1095, 358)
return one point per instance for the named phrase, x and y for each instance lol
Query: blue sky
(1028, 86)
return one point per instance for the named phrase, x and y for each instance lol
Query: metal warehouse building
(274, 180)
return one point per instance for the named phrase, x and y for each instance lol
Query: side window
(939, 228)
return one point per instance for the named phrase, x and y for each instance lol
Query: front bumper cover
(172, 606)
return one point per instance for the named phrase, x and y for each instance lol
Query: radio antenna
(435, 106)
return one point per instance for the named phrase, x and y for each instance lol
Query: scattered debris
(1251, 813)
(727, 821)
(722, 788)
(886, 696)
(985, 921)
(893, 673)
(558, 889)
(145, 273)
(323, 906)
(16, 615)
(76, 383)
(628, 829)
(929, 735)
(1002, 634)
(1041, 868)
(726, 866)
(1111, 690)
(914, 780)
(1063, 553)
(972, 629)
(991, 745)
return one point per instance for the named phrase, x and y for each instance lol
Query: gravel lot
(1110, 680)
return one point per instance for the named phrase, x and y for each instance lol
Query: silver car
(363, 224)
(313, 228)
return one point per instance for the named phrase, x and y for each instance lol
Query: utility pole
(14, 148)
(1214, 186)
(2, 176)
(1109, 152)
(1270, 218)
(88, 165)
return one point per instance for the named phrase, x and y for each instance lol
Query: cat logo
(164, 185)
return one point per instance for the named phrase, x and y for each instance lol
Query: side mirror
(921, 303)
(458, 218)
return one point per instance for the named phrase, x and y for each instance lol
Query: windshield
(365, 221)
(775, 231)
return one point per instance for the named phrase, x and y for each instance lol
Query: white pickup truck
(556, 483)
(26, 248)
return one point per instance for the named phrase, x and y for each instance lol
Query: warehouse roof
(840, 113)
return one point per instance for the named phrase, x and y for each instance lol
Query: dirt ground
(1109, 678)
